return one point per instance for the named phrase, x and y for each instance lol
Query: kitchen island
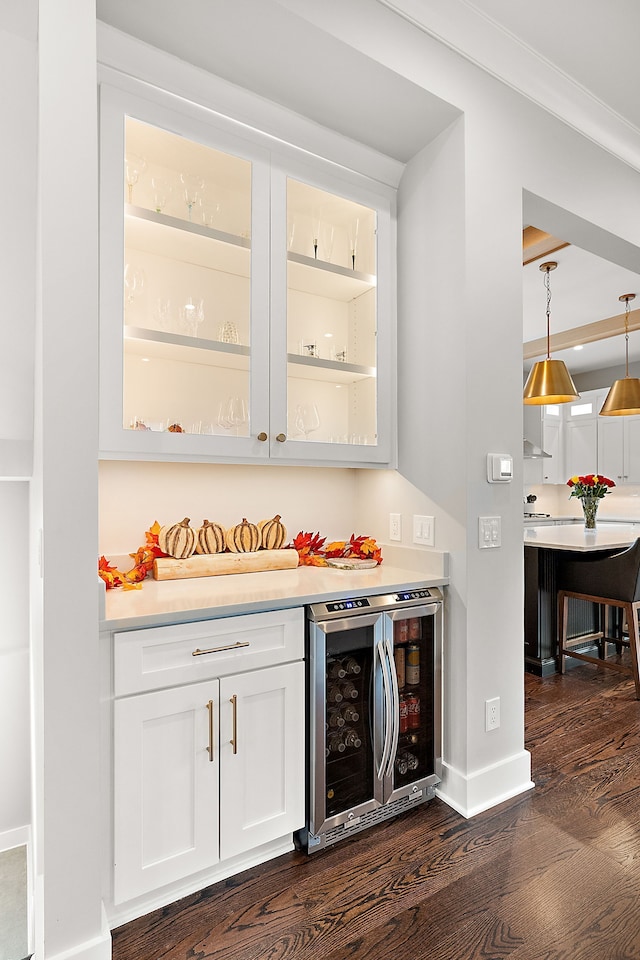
(543, 548)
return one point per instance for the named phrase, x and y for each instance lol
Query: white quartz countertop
(606, 536)
(171, 601)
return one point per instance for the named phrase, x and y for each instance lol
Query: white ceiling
(578, 59)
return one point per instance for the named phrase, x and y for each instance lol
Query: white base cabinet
(205, 771)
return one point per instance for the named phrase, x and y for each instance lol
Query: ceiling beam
(537, 244)
(599, 330)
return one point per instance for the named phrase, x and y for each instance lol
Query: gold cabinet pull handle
(234, 739)
(210, 747)
(231, 646)
(281, 437)
(262, 436)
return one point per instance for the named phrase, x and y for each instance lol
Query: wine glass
(134, 166)
(161, 193)
(307, 418)
(353, 241)
(193, 185)
(133, 284)
(232, 413)
(326, 238)
(191, 316)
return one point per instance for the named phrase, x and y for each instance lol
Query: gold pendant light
(549, 380)
(623, 399)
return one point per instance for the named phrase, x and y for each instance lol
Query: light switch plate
(424, 530)
(489, 532)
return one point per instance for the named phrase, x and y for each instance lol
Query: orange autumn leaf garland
(312, 551)
(142, 563)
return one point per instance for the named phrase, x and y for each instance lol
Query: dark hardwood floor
(551, 874)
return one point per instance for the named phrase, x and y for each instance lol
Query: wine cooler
(374, 678)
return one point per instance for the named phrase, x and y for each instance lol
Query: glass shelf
(314, 368)
(175, 346)
(179, 240)
(326, 279)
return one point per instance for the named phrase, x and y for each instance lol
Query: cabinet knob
(281, 437)
(262, 436)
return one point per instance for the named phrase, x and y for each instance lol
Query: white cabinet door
(552, 466)
(166, 787)
(631, 449)
(611, 448)
(262, 765)
(581, 447)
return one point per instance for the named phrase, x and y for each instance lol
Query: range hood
(531, 452)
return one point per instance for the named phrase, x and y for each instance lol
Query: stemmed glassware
(191, 316)
(133, 283)
(134, 167)
(353, 241)
(161, 193)
(193, 185)
(307, 418)
(232, 413)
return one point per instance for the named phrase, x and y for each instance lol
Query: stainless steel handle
(395, 707)
(281, 437)
(262, 436)
(231, 646)
(387, 710)
(427, 610)
(234, 737)
(210, 747)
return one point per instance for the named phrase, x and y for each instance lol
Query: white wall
(15, 797)
(64, 501)
(134, 495)
(18, 172)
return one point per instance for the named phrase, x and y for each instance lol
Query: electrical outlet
(395, 526)
(492, 714)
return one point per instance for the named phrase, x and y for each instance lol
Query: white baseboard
(98, 948)
(470, 794)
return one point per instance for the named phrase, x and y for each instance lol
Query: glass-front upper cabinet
(331, 318)
(239, 305)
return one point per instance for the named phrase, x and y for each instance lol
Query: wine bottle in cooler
(350, 738)
(334, 693)
(349, 690)
(336, 670)
(351, 666)
(335, 718)
(349, 714)
(335, 743)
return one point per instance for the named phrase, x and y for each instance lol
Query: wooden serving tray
(217, 564)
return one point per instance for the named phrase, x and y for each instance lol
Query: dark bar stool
(612, 581)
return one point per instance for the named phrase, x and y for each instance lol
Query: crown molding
(463, 28)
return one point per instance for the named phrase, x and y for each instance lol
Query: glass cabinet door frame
(353, 188)
(116, 441)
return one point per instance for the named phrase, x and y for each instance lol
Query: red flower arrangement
(591, 485)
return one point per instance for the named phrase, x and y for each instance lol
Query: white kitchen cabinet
(261, 757)
(166, 790)
(619, 448)
(205, 771)
(581, 434)
(246, 303)
(553, 468)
